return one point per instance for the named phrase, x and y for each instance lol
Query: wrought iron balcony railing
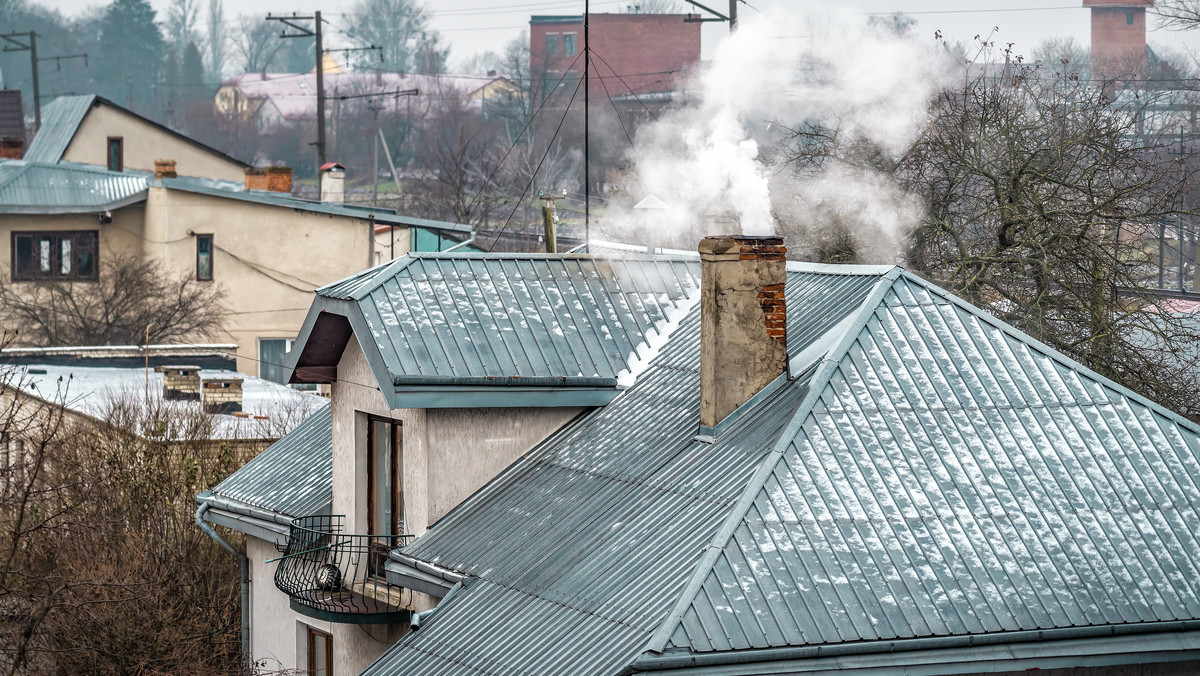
(338, 577)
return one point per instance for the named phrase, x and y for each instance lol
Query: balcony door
(385, 488)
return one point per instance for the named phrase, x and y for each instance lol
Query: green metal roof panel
(60, 120)
(453, 317)
(294, 476)
(586, 543)
(29, 187)
(951, 479)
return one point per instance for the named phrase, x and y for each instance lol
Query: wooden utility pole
(314, 32)
(550, 222)
(15, 45)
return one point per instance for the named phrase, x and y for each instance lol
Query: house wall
(125, 233)
(144, 143)
(279, 255)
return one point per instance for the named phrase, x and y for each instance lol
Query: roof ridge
(716, 546)
(1048, 351)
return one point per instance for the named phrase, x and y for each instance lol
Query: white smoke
(715, 161)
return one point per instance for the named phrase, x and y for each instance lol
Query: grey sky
(471, 26)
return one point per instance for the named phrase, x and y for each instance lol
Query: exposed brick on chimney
(272, 179)
(164, 169)
(774, 307)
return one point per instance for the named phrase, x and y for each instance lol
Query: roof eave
(437, 396)
(57, 209)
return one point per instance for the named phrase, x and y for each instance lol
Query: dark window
(116, 153)
(569, 44)
(385, 495)
(551, 44)
(270, 358)
(1129, 18)
(54, 255)
(204, 257)
(320, 653)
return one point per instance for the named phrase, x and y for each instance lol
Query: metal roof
(939, 475)
(486, 323)
(293, 477)
(65, 187)
(60, 120)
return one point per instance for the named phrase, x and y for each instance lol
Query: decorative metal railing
(338, 577)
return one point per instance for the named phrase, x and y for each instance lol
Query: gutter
(1010, 640)
(506, 381)
(421, 576)
(245, 565)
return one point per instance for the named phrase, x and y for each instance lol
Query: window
(568, 44)
(320, 653)
(271, 352)
(1129, 18)
(551, 44)
(116, 153)
(385, 497)
(204, 257)
(67, 256)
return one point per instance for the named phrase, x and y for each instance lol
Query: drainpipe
(245, 577)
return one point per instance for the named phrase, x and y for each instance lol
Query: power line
(619, 120)
(634, 94)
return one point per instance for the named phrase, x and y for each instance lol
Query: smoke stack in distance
(743, 321)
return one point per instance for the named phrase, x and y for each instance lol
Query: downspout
(245, 562)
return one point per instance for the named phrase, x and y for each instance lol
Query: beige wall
(144, 143)
(279, 256)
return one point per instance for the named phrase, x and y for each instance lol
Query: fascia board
(500, 397)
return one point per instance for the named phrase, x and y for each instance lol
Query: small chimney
(180, 383)
(271, 179)
(743, 321)
(222, 395)
(333, 178)
(164, 169)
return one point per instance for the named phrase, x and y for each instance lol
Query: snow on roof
(93, 391)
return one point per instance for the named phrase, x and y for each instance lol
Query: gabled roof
(928, 481)
(455, 329)
(63, 116)
(66, 187)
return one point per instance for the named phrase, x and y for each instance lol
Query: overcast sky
(472, 26)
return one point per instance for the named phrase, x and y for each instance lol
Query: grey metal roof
(468, 320)
(60, 120)
(932, 474)
(293, 477)
(29, 187)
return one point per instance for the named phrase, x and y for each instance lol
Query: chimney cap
(332, 166)
(719, 244)
(651, 202)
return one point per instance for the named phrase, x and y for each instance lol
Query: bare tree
(257, 43)
(1178, 14)
(132, 299)
(217, 39)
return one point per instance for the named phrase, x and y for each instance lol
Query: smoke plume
(719, 161)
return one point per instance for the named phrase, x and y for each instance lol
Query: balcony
(337, 577)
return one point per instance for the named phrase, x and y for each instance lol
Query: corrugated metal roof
(60, 120)
(464, 315)
(28, 187)
(294, 477)
(585, 544)
(938, 474)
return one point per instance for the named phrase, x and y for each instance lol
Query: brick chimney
(221, 395)
(164, 169)
(271, 179)
(743, 321)
(333, 179)
(180, 383)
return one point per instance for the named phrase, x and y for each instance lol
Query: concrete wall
(267, 259)
(144, 143)
(123, 235)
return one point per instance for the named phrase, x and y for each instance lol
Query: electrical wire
(533, 176)
(631, 92)
(618, 114)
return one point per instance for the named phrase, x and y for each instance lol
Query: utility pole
(15, 45)
(716, 16)
(587, 182)
(314, 32)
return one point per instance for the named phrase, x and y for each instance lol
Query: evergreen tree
(131, 50)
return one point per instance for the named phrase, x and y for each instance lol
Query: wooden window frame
(120, 155)
(57, 236)
(397, 497)
(212, 255)
(313, 635)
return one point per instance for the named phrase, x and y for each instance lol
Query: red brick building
(651, 52)
(1118, 36)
